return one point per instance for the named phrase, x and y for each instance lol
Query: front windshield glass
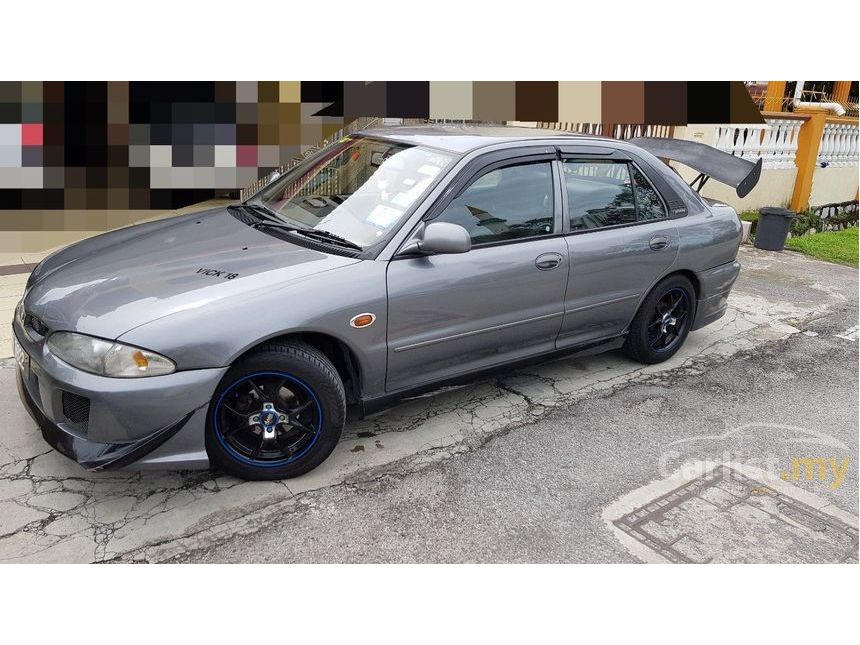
(358, 190)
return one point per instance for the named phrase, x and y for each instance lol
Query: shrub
(750, 216)
(811, 221)
(829, 217)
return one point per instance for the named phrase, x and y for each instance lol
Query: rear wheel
(663, 321)
(277, 413)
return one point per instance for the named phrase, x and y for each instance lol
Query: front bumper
(94, 455)
(103, 422)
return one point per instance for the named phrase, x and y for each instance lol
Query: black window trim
(666, 211)
(572, 157)
(668, 192)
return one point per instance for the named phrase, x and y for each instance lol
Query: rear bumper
(714, 288)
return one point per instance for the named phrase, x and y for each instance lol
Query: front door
(503, 300)
(620, 242)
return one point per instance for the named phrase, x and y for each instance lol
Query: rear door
(450, 315)
(620, 241)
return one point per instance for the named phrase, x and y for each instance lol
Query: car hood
(111, 284)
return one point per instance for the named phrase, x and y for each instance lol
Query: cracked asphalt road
(517, 468)
(536, 493)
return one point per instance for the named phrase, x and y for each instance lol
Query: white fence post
(775, 142)
(838, 145)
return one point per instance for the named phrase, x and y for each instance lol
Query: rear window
(603, 193)
(599, 193)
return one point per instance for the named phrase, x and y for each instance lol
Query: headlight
(106, 357)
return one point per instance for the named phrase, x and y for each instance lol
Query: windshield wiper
(263, 212)
(327, 236)
(260, 208)
(267, 216)
(268, 219)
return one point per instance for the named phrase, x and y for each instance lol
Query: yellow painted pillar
(841, 90)
(773, 97)
(808, 143)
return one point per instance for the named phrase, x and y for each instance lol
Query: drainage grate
(725, 516)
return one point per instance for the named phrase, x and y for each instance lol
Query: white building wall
(833, 185)
(773, 189)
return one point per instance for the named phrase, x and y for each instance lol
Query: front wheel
(663, 321)
(277, 413)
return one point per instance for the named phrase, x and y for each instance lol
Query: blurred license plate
(21, 356)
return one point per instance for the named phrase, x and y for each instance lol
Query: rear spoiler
(740, 174)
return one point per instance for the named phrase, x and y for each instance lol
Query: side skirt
(372, 405)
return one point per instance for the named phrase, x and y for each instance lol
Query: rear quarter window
(677, 185)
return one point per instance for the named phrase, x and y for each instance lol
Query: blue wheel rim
(248, 397)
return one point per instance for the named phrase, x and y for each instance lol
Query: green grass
(749, 216)
(833, 246)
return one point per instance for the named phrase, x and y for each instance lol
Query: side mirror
(439, 238)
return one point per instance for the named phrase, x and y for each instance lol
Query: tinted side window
(504, 204)
(600, 193)
(647, 200)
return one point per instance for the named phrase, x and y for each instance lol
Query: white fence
(633, 131)
(619, 131)
(774, 141)
(838, 145)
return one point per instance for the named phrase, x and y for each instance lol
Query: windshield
(358, 190)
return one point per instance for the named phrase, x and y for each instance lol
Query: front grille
(35, 324)
(76, 409)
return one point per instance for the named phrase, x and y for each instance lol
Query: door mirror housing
(439, 238)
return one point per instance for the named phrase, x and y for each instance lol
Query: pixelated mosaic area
(163, 145)
(128, 145)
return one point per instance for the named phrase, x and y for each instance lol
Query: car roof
(463, 138)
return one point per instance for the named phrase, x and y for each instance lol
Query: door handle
(548, 261)
(658, 242)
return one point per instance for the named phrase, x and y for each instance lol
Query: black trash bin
(772, 229)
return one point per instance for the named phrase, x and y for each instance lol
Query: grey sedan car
(391, 262)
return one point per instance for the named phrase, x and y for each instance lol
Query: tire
(641, 344)
(277, 413)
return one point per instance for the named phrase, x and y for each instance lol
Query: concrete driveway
(472, 474)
